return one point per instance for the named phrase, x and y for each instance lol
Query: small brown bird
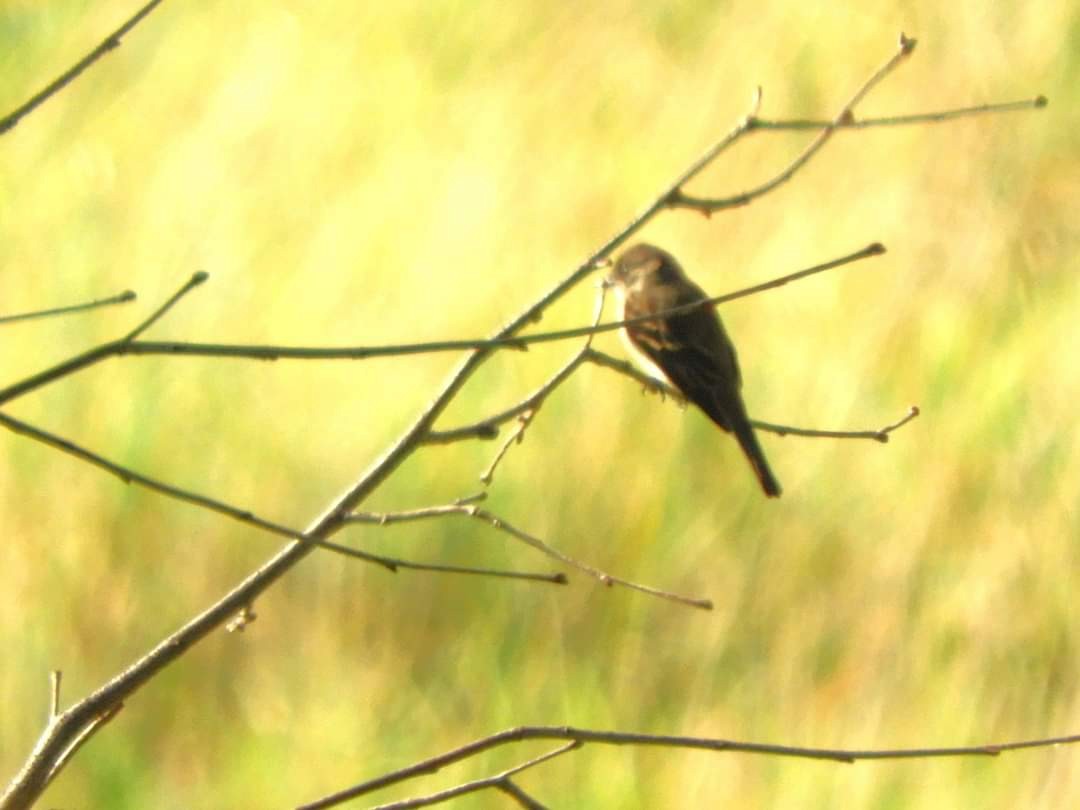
(690, 351)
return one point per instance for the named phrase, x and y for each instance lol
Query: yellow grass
(353, 176)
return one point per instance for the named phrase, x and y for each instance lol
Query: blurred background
(354, 175)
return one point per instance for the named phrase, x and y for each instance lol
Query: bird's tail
(744, 433)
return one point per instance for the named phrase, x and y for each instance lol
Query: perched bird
(690, 351)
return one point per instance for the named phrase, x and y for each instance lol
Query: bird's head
(641, 265)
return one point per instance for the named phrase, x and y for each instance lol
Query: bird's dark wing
(695, 355)
(698, 359)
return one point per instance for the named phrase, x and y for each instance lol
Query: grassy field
(350, 176)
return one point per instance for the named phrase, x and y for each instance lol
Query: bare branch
(557, 578)
(129, 476)
(192, 283)
(500, 781)
(880, 435)
(582, 736)
(495, 522)
(423, 513)
(601, 576)
(489, 428)
(110, 42)
(514, 341)
(652, 384)
(122, 298)
(517, 435)
(56, 737)
(905, 120)
(98, 353)
(707, 206)
(533, 403)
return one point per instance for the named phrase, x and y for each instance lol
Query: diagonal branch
(58, 734)
(246, 516)
(129, 476)
(708, 206)
(110, 42)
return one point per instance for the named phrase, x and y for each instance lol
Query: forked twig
(708, 206)
(472, 511)
(501, 781)
(533, 403)
(98, 353)
(601, 576)
(129, 476)
(581, 736)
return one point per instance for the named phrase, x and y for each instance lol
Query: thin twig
(582, 736)
(129, 476)
(109, 43)
(557, 578)
(122, 298)
(904, 120)
(513, 341)
(98, 353)
(489, 428)
(665, 390)
(499, 780)
(526, 415)
(879, 435)
(423, 513)
(708, 206)
(472, 511)
(517, 435)
(195, 280)
(601, 576)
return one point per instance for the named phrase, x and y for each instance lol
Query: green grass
(353, 177)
